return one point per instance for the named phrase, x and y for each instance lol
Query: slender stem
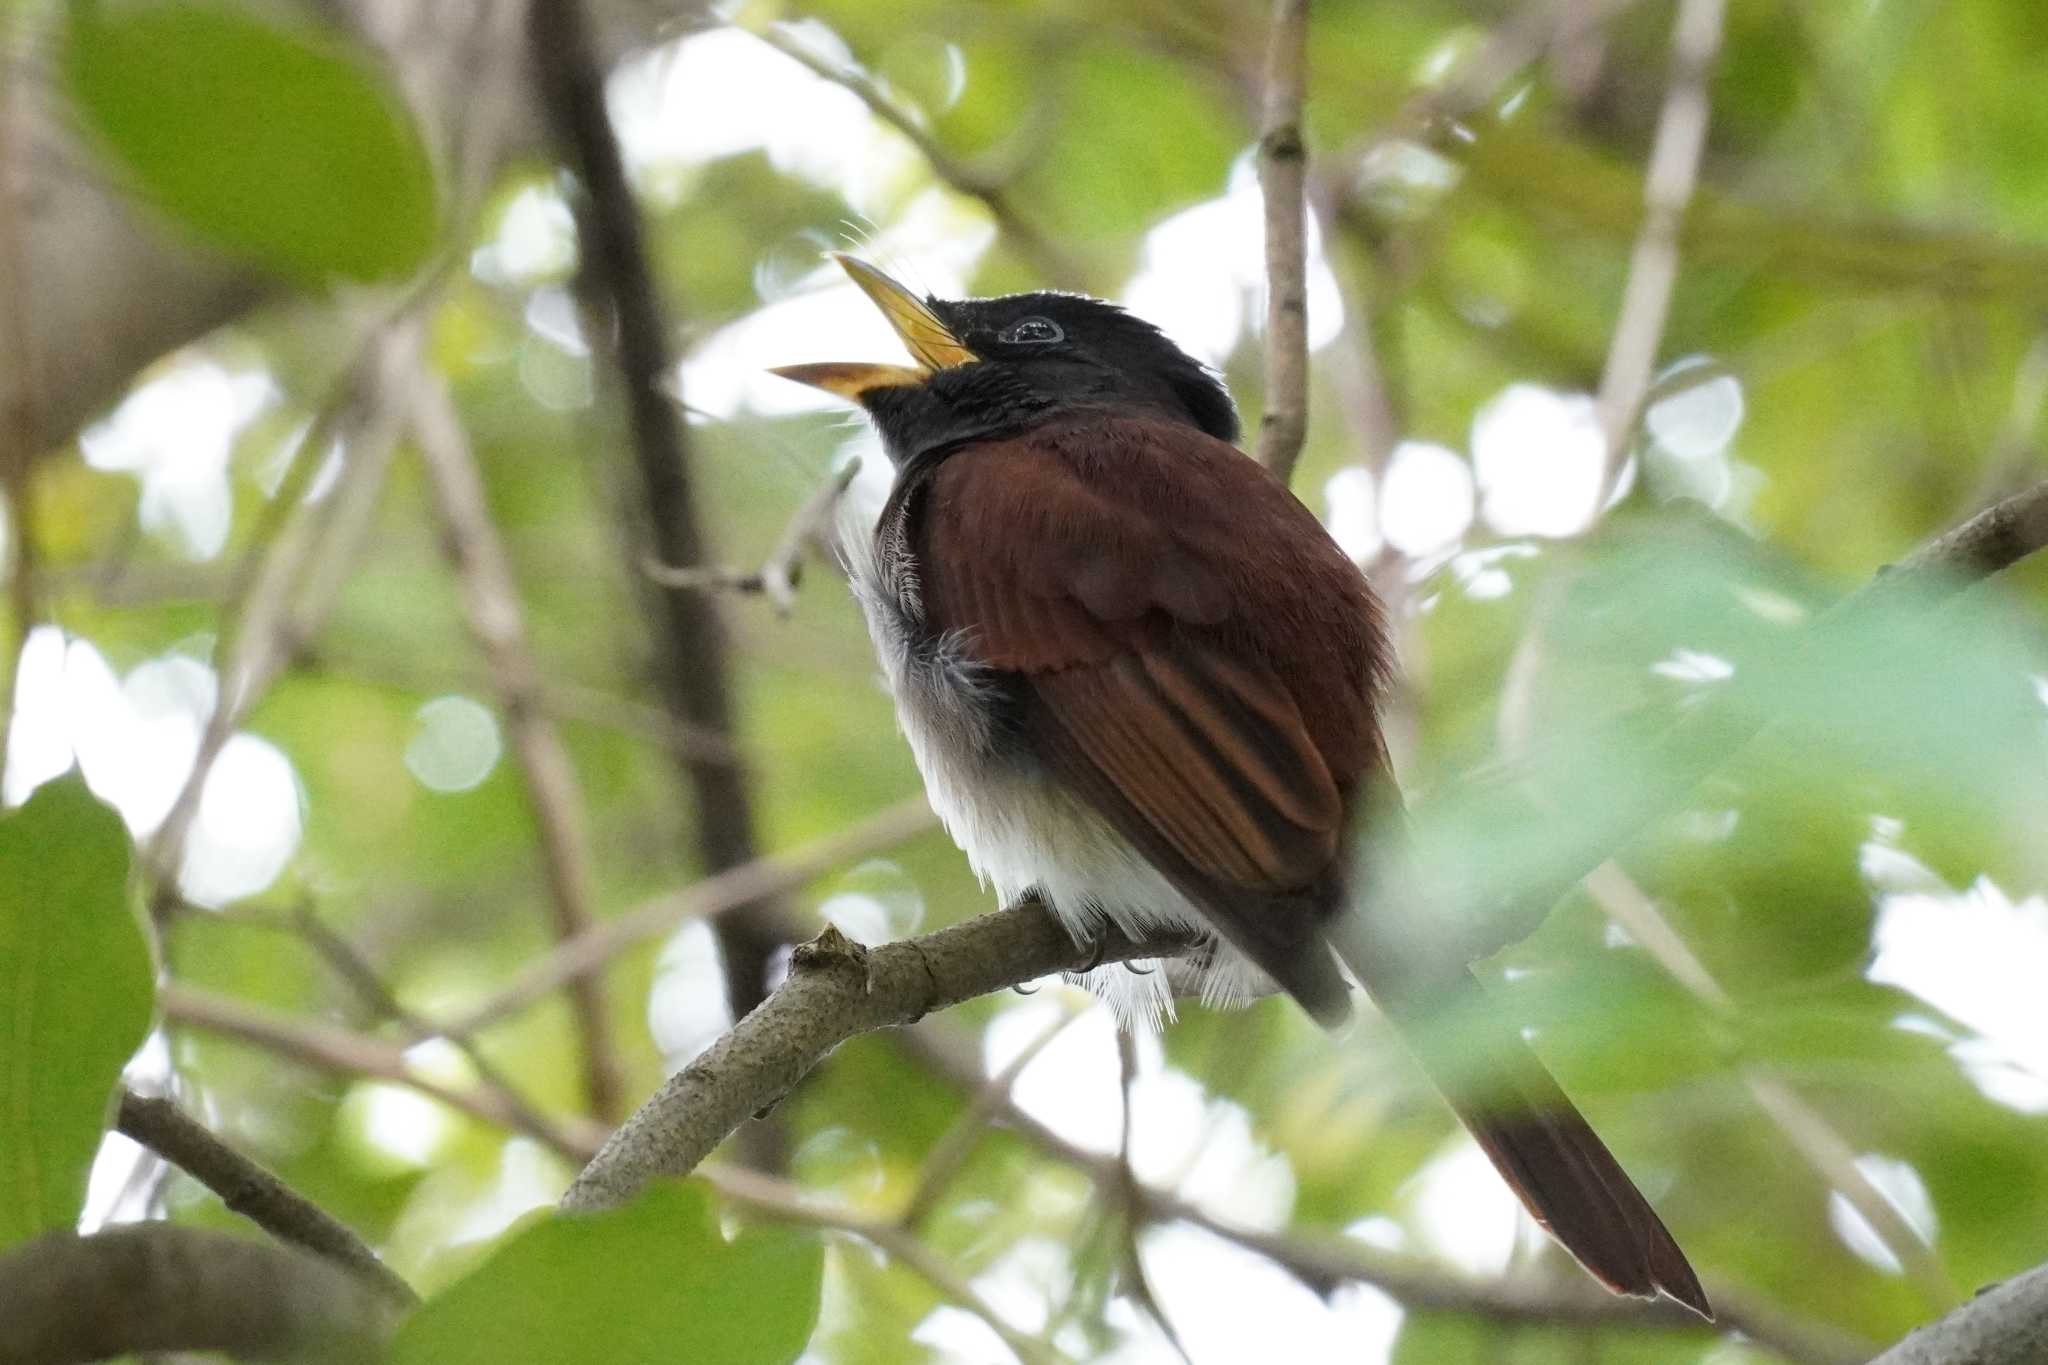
(780, 1200)
(250, 1190)
(627, 322)
(1653, 265)
(1283, 164)
(490, 598)
(748, 884)
(1054, 264)
(353, 1054)
(1323, 1261)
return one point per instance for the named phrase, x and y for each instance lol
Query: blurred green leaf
(76, 990)
(277, 143)
(655, 1281)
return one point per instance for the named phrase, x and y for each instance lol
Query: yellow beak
(928, 340)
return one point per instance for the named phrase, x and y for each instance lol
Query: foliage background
(1859, 307)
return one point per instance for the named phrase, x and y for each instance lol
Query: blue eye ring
(1031, 331)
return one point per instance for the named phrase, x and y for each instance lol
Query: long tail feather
(1536, 1137)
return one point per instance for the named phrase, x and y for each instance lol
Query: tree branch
(1040, 252)
(780, 1200)
(1283, 162)
(286, 592)
(836, 990)
(626, 323)
(158, 1287)
(490, 599)
(2006, 1324)
(749, 884)
(327, 1048)
(250, 1190)
(1322, 1261)
(1653, 266)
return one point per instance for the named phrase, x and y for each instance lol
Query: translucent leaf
(652, 1282)
(278, 144)
(76, 990)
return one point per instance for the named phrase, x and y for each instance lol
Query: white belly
(1021, 831)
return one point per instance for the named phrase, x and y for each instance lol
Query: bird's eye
(1032, 332)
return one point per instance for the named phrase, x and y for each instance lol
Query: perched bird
(1142, 682)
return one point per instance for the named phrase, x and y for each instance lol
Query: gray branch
(836, 990)
(157, 1287)
(2004, 1325)
(252, 1191)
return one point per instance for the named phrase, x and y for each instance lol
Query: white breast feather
(1018, 829)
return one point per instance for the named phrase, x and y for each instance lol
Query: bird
(1143, 684)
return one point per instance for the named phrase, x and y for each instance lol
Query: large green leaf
(280, 144)
(654, 1281)
(76, 990)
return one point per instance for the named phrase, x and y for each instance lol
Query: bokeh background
(1805, 1008)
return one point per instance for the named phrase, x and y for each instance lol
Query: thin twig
(1324, 1261)
(350, 965)
(579, 703)
(289, 594)
(951, 1151)
(21, 386)
(1131, 1198)
(148, 1287)
(1653, 265)
(619, 295)
(1283, 165)
(250, 1190)
(490, 598)
(787, 1203)
(747, 884)
(1052, 263)
(327, 1048)
(777, 577)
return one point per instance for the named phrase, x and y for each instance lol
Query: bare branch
(626, 323)
(1323, 1261)
(157, 1287)
(490, 598)
(250, 1190)
(787, 1203)
(327, 1048)
(295, 581)
(20, 383)
(1283, 165)
(836, 990)
(350, 965)
(1653, 266)
(1039, 251)
(778, 575)
(748, 884)
(2006, 1324)
(951, 1151)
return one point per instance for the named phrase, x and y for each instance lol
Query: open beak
(928, 340)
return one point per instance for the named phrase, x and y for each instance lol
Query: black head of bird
(1142, 683)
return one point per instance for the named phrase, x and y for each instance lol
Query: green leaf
(279, 144)
(654, 1281)
(76, 991)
